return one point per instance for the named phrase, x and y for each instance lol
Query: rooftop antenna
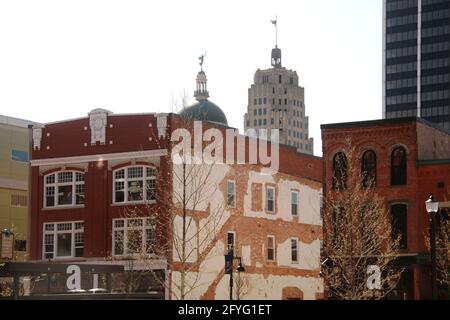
(274, 22)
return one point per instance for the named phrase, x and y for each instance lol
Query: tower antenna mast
(275, 23)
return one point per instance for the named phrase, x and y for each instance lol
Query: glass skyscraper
(416, 60)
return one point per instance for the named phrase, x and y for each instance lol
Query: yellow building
(14, 160)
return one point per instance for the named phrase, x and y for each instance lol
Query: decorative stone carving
(98, 119)
(37, 137)
(162, 124)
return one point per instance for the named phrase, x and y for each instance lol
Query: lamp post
(432, 209)
(229, 258)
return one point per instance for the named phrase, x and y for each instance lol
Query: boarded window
(19, 200)
(256, 197)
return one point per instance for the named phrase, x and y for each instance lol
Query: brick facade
(427, 172)
(131, 140)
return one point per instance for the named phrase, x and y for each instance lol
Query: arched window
(398, 166)
(134, 184)
(369, 169)
(64, 188)
(399, 224)
(339, 171)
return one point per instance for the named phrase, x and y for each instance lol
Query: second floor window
(63, 240)
(399, 224)
(134, 236)
(231, 242)
(64, 188)
(134, 184)
(271, 248)
(294, 203)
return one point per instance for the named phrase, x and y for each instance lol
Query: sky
(60, 59)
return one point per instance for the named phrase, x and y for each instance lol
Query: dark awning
(9, 269)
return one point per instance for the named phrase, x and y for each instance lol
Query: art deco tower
(276, 101)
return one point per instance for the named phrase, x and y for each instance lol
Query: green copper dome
(205, 110)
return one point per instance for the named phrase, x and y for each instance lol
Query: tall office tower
(416, 60)
(276, 101)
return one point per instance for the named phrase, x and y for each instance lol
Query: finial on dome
(201, 93)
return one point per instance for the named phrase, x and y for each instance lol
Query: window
(134, 184)
(398, 167)
(20, 245)
(399, 224)
(64, 188)
(294, 250)
(63, 240)
(279, 78)
(369, 169)
(133, 235)
(270, 248)
(294, 203)
(339, 171)
(270, 196)
(19, 200)
(231, 242)
(231, 198)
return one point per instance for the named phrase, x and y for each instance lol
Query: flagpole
(276, 32)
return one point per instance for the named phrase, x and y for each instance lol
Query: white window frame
(55, 234)
(292, 203)
(296, 241)
(56, 184)
(145, 179)
(274, 248)
(234, 242)
(233, 205)
(147, 224)
(273, 200)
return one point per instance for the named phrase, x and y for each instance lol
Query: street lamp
(432, 209)
(229, 258)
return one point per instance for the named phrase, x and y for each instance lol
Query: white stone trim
(161, 121)
(16, 122)
(419, 57)
(99, 157)
(98, 120)
(384, 62)
(37, 136)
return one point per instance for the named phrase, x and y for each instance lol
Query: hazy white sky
(60, 59)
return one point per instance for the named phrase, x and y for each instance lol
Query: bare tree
(181, 227)
(358, 234)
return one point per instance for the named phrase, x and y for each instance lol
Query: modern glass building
(416, 60)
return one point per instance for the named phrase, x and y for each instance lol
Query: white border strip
(419, 58)
(384, 62)
(99, 157)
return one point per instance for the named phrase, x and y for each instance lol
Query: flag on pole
(274, 22)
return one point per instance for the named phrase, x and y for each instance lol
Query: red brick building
(87, 171)
(409, 159)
